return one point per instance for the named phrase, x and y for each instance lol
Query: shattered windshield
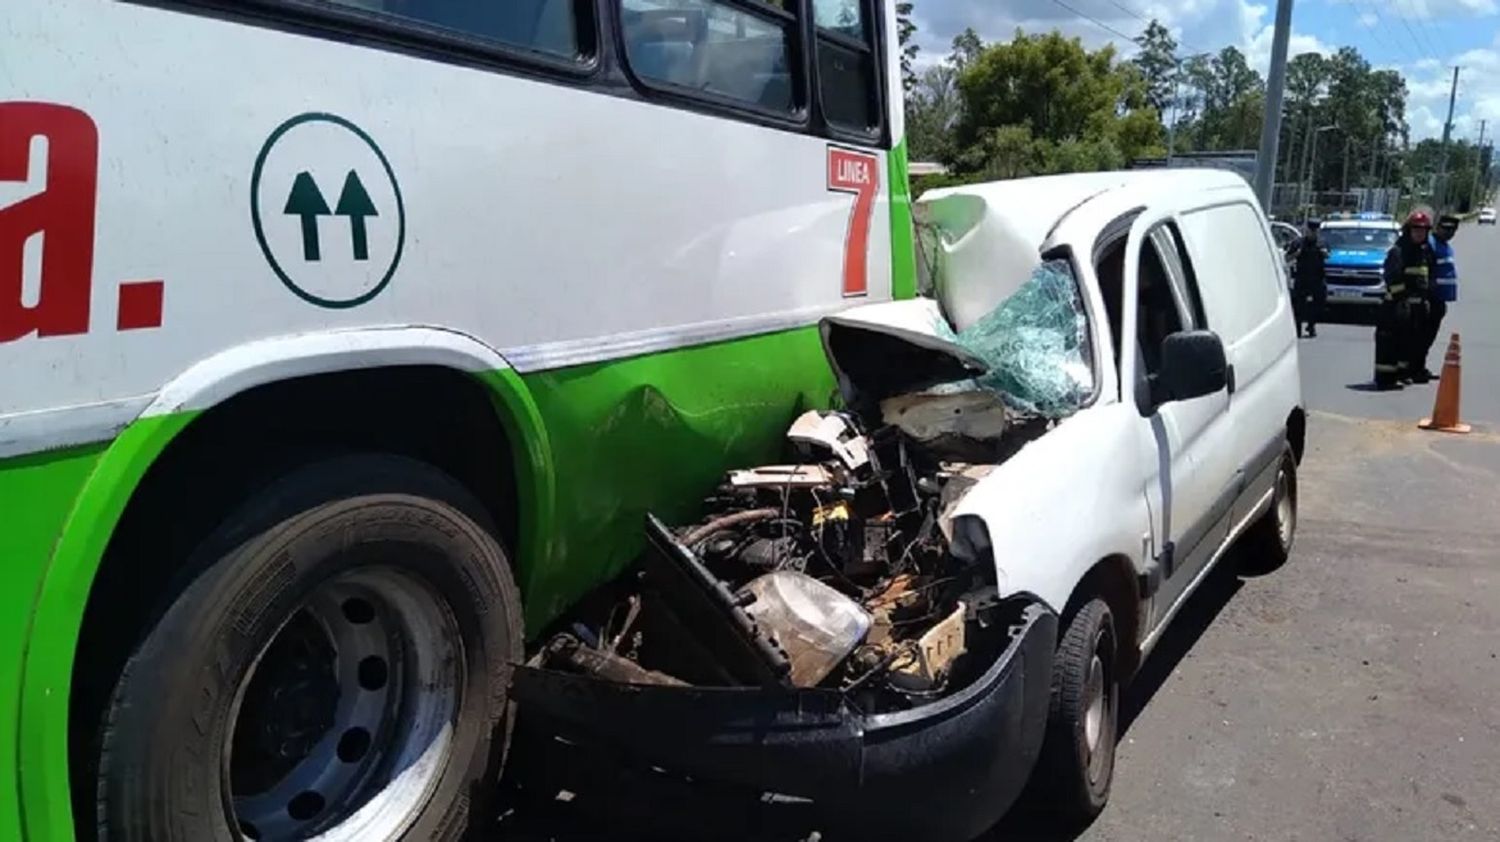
(1036, 344)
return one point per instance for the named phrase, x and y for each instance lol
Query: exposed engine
(832, 572)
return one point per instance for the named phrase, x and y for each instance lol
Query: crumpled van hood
(894, 348)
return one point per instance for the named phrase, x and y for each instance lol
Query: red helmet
(1419, 219)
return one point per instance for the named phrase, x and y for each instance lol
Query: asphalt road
(1351, 695)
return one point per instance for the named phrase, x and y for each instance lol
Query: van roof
(1040, 201)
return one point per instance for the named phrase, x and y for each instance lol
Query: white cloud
(1479, 7)
(1368, 20)
(1428, 85)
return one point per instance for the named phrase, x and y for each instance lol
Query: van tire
(338, 660)
(1268, 542)
(1076, 767)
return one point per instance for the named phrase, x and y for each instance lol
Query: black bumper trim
(942, 771)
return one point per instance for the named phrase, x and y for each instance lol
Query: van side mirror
(1192, 365)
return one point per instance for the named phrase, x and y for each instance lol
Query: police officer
(1400, 337)
(1309, 279)
(1444, 287)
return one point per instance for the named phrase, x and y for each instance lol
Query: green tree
(905, 29)
(932, 112)
(1157, 62)
(966, 48)
(1047, 82)
(1043, 103)
(1236, 100)
(1305, 88)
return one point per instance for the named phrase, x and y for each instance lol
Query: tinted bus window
(740, 51)
(547, 26)
(847, 78)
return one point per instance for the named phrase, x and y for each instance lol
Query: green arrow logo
(306, 201)
(355, 203)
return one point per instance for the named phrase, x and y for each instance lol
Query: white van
(1189, 441)
(1035, 464)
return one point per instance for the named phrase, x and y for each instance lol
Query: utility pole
(1345, 186)
(1176, 95)
(1270, 130)
(1441, 187)
(1478, 161)
(1307, 144)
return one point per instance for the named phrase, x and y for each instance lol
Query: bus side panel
(54, 601)
(37, 493)
(243, 182)
(655, 434)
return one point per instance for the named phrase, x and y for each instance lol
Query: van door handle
(1229, 379)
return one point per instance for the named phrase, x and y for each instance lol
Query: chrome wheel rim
(1093, 718)
(343, 726)
(1286, 513)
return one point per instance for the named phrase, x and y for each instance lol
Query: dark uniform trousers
(1402, 335)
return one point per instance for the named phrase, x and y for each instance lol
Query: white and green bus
(343, 343)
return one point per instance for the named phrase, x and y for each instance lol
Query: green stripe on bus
(903, 252)
(39, 491)
(654, 433)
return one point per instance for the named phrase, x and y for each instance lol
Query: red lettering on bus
(63, 212)
(857, 173)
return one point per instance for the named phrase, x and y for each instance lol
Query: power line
(1373, 10)
(1430, 31)
(1148, 21)
(1099, 23)
(1422, 44)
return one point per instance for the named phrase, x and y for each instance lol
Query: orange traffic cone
(1445, 407)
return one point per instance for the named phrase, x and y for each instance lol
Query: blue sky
(1424, 39)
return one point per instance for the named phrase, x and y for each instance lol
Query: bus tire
(336, 664)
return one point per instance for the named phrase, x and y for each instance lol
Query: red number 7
(857, 173)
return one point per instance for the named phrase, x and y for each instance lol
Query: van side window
(546, 26)
(1169, 247)
(847, 76)
(1109, 269)
(1156, 315)
(741, 51)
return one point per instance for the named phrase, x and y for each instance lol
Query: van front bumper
(946, 770)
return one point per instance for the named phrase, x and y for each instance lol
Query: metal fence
(1293, 201)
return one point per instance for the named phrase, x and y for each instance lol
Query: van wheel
(1077, 763)
(337, 666)
(1268, 543)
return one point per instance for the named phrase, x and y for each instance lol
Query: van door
(1237, 265)
(1192, 491)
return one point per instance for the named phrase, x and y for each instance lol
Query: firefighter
(1309, 280)
(1444, 286)
(1401, 334)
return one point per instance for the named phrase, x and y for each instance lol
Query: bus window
(547, 26)
(846, 64)
(711, 46)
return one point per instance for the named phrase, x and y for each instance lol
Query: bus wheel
(336, 666)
